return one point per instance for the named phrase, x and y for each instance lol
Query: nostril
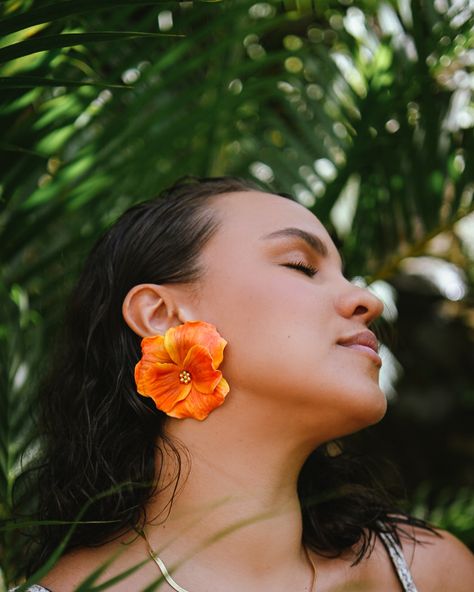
(361, 309)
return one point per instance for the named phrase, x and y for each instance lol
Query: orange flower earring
(179, 370)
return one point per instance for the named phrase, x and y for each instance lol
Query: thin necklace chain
(178, 588)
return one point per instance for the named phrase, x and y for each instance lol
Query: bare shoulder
(72, 569)
(75, 566)
(439, 562)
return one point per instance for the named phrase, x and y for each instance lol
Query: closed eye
(309, 270)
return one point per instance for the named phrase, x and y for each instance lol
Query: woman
(213, 349)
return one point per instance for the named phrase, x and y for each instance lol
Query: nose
(359, 302)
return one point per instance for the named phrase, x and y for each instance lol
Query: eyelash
(309, 270)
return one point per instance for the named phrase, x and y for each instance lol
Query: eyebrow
(312, 240)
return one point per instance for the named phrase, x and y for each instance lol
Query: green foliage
(362, 113)
(451, 510)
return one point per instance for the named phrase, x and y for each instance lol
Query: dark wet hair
(97, 434)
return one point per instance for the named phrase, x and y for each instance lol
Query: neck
(236, 503)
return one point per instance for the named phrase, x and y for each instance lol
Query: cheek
(273, 336)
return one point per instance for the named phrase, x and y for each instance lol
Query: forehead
(249, 215)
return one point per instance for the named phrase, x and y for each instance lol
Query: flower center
(184, 377)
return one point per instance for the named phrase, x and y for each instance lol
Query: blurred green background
(361, 110)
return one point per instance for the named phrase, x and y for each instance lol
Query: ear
(150, 309)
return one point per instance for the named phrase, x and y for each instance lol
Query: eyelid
(301, 246)
(303, 266)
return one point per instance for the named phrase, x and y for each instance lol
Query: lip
(364, 342)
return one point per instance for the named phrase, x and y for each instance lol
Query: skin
(292, 388)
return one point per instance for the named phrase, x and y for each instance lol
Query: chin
(369, 409)
(350, 416)
(373, 410)
(378, 412)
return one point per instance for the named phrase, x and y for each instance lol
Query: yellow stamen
(184, 377)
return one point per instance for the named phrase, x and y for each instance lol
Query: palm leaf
(281, 90)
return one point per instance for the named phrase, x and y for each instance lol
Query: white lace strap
(399, 562)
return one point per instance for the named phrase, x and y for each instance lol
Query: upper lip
(363, 338)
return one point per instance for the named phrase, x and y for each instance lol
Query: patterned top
(34, 588)
(394, 550)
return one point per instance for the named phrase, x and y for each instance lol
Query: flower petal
(161, 383)
(198, 363)
(153, 349)
(223, 387)
(197, 405)
(179, 340)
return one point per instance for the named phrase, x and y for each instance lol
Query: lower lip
(367, 350)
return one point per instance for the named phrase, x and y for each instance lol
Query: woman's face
(282, 326)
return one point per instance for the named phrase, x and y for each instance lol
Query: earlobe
(148, 309)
